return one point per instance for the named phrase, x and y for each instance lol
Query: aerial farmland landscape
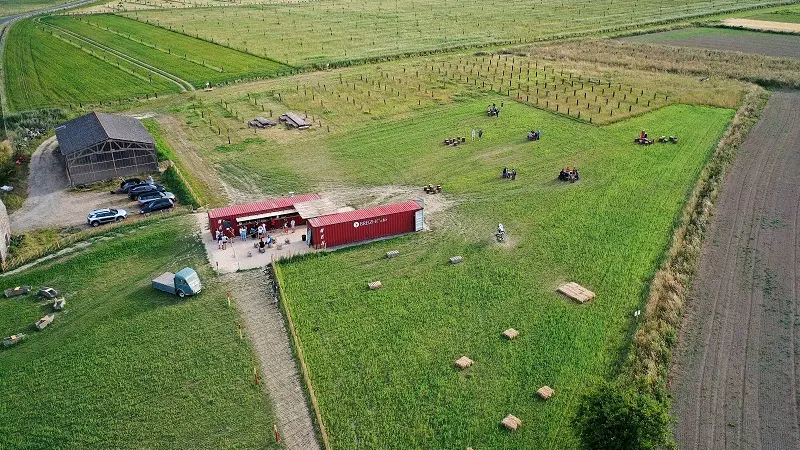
(361, 224)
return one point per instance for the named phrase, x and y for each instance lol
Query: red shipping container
(364, 224)
(264, 211)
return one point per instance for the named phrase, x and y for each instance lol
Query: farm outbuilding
(364, 224)
(100, 146)
(273, 213)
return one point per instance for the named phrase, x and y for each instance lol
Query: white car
(98, 216)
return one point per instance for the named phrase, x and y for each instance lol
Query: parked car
(128, 185)
(129, 181)
(99, 216)
(154, 195)
(136, 191)
(156, 205)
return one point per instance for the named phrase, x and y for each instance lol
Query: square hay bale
(545, 392)
(511, 422)
(392, 254)
(463, 362)
(511, 333)
(456, 259)
(375, 285)
(576, 292)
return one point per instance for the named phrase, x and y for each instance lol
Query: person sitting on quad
(564, 175)
(575, 175)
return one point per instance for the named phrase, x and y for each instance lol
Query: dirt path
(763, 25)
(737, 366)
(252, 292)
(50, 203)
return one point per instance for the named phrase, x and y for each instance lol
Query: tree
(612, 417)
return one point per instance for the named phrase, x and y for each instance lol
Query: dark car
(153, 195)
(128, 185)
(129, 181)
(156, 205)
(135, 191)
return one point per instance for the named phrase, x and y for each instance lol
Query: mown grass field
(42, 70)
(790, 14)
(306, 33)
(188, 58)
(124, 365)
(381, 362)
(10, 7)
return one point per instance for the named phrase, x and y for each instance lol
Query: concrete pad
(235, 256)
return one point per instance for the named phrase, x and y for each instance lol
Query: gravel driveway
(50, 203)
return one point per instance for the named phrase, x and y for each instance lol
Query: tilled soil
(736, 371)
(253, 294)
(778, 45)
(763, 25)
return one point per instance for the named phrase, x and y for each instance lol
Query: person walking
(473, 134)
(224, 241)
(480, 133)
(243, 233)
(219, 239)
(291, 224)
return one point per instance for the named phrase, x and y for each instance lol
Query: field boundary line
(296, 344)
(647, 363)
(183, 84)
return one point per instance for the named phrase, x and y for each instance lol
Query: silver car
(148, 197)
(98, 216)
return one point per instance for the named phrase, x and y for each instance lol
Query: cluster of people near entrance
(225, 236)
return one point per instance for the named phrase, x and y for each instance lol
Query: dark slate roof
(96, 127)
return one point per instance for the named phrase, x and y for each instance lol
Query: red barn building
(271, 212)
(364, 224)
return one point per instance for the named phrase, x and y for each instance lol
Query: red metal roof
(260, 207)
(362, 214)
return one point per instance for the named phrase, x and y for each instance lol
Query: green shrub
(174, 183)
(614, 417)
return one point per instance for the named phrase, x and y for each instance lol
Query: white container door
(419, 220)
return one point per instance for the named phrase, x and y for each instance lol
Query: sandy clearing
(763, 25)
(736, 370)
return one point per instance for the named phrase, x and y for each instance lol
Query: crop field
(187, 58)
(45, 70)
(381, 362)
(778, 45)
(338, 31)
(124, 365)
(11, 7)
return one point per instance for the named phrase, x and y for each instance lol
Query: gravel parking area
(50, 203)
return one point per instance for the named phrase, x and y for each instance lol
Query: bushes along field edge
(294, 339)
(635, 405)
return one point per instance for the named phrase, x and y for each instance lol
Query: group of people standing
(478, 132)
(261, 232)
(509, 174)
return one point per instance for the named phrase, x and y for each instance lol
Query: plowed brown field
(737, 368)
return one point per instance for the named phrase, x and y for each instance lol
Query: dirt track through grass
(265, 327)
(737, 366)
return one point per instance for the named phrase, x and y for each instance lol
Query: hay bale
(456, 259)
(511, 422)
(576, 292)
(545, 392)
(463, 362)
(511, 333)
(392, 254)
(374, 285)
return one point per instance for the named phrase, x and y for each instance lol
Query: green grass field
(10, 7)
(124, 365)
(381, 362)
(341, 30)
(43, 70)
(790, 14)
(188, 58)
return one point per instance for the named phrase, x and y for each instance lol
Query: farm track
(183, 84)
(265, 326)
(737, 366)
